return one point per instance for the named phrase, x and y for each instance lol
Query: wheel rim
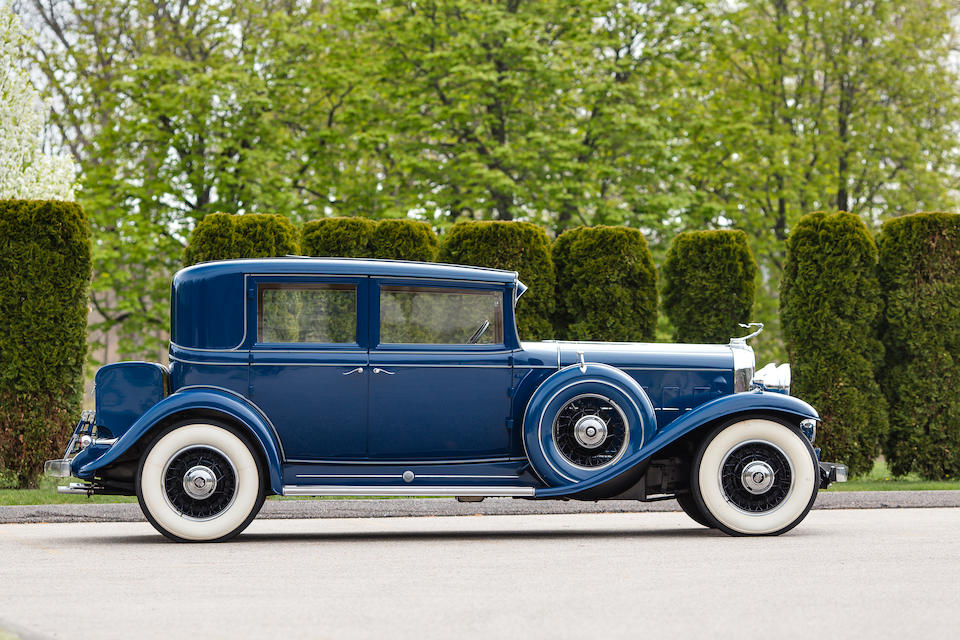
(756, 477)
(199, 482)
(590, 431)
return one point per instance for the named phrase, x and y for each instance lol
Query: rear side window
(433, 315)
(317, 313)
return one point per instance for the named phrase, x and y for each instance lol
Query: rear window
(317, 313)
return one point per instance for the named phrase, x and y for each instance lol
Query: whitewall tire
(199, 481)
(756, 476)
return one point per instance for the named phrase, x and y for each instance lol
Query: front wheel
(756, 476)
(200, 482)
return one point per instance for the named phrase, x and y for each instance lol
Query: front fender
(188, 399)
(709, 412)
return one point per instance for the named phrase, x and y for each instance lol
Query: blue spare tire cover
(546, 434)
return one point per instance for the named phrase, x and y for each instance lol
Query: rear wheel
(689, 506)
(200, 482)
(756, 476)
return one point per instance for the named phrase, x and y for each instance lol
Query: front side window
(318, 313)
(433, 315)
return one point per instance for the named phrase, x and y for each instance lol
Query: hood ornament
(742, 342)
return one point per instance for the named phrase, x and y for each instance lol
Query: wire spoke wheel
(590, 431)
(756, 477)
(200, 482)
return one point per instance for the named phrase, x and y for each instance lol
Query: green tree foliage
(517, 246)
(920, 279)
(709, 282)
(365, 238)
(221, 236)
(847, 105)
(606, 285)
(45, 259)
(404, 240)
(830, 308)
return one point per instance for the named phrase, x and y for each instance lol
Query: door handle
(379, 370)
(357, 370)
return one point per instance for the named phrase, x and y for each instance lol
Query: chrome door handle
(357, 370)
(379, 370)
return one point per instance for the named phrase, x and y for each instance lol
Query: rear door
(309, 363)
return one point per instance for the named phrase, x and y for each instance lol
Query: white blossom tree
(25, 170)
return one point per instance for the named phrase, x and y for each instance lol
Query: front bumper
(831, 472)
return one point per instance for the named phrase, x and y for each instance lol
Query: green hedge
(517, 246)
(709, 282)
(606, 285)
(830, 309)
(338, 237)
(393, 239)
(221, 236)
(920, 279)
(45, 262)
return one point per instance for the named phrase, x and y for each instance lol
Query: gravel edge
(413, 507)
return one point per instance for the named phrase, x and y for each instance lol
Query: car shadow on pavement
(426, 536)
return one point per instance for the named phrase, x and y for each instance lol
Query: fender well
(704, 415)
(210, 401)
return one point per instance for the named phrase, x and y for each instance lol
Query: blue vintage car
(348, 377)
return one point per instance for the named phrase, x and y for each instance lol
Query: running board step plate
(393, 490)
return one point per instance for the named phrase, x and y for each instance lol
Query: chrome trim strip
(342, 365)
(334, 490)
(407, 463)
(276, 434)
(446, 366)
(671, 369)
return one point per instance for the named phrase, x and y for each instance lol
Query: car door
(440, 371)
(309, 362)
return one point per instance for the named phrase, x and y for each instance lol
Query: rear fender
(704, 415)
(231, 405)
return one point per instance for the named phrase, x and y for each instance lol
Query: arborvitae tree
(45, 259)
(517, 246)
(830, 309)
(709, 281)
(920, 280)
(606, 285)
(221, 236)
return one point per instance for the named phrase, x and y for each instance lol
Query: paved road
(885, 573)
(274, 509)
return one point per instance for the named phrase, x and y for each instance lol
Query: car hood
(653, 355)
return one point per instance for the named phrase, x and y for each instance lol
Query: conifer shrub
(709, 282)
(830, 309)
(45, 261)
(517, 246)
(221, 236)
(920, 280)
(606, 285)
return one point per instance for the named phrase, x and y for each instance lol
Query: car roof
(297, 265)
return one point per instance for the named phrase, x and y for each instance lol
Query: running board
(392, 490)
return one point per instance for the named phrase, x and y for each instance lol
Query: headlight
(773, 378)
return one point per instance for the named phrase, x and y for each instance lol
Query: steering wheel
(479, 332)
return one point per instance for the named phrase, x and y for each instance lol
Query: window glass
(307, 313)
(428, 315)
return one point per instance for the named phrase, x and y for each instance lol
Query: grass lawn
(880, 479)
(877, 480)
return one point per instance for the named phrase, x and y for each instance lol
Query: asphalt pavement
(874, 573)
(282, 509)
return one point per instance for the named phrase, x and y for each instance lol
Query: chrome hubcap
(590, 431)
(757, 477)
(199, 482)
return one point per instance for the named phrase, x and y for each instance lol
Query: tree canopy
(666, 116)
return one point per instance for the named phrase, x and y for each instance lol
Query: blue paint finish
(193, 399)
(739, 403)
(125, 390)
